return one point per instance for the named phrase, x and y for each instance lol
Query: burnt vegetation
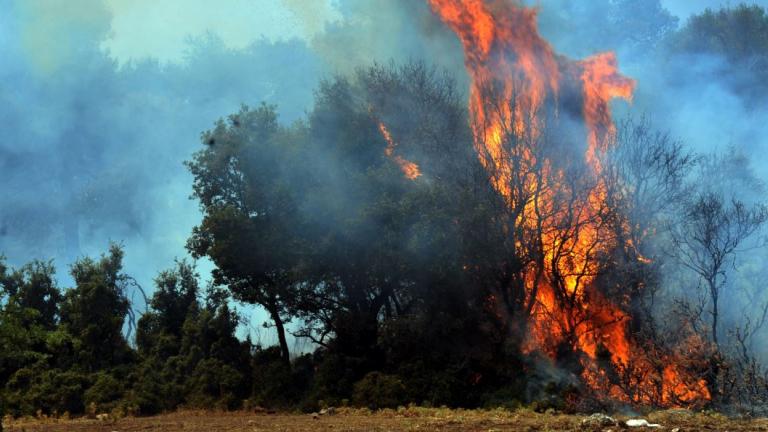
(419, 290)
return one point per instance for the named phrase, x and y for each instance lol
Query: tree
(33, 288)
(378, 235)
(188, 349)
(738, 37)
(647, 170)
(175, 295)
(640, 25)
(29, 305)
(215, 364)
(250, 212)
(636, 27)
(94, 311)
(62, 351)
(708, 236)
(317, 220)
(739, 34)
(552, 227)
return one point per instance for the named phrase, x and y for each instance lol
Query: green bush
(215, 384)
(105, 392)
(429, 386)
(377, 390)
(153, 390)
(506, 397)
(50, 391)
(334, 378)
(272, 380)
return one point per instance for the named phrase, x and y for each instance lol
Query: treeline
(65, 351)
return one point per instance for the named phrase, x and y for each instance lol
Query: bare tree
(707, 238)
(644, 173)
(746, 380)
(649, 167)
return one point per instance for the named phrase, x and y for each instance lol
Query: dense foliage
(69, 353)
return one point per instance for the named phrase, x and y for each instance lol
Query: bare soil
(404, 419)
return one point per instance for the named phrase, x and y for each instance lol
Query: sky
(139, 29)
(101, 101)
(134, 30)
(151, 28)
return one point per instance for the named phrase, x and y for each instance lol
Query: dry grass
(403, 419)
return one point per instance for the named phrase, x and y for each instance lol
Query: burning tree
(562, 226)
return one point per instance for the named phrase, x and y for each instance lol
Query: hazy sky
(161, 29)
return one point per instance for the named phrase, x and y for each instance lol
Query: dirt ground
(404, 419)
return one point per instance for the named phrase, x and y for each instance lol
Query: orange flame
(602, 82)
(410, 170)
(502, 47)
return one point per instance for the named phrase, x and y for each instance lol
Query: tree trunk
(714, 293)
(714, 365)
(284, 352)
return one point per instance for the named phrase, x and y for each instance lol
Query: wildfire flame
(410, 170)
(601, 83)
(502, 46)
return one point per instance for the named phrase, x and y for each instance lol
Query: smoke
(163, 29)
(701, 99)
(53, 33)
(313, 16)
(93, 151)
(382, 31)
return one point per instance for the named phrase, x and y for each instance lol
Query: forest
(512, 251)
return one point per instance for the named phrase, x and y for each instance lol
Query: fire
(410, 170)
(501, 45)
(505, 53)
(601, 82)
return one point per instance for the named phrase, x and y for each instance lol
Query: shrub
(505, 397)
(34, 388)
(105, 392)
(377, 390)
(272, 386)
(215, 384)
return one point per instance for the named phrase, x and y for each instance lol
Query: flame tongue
(504, 51)
(409, 169)
(601, 82)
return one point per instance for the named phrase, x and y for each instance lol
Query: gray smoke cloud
(93, 152)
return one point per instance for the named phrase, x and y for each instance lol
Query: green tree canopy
(95, 310)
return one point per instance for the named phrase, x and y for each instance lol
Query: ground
(404, 419)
